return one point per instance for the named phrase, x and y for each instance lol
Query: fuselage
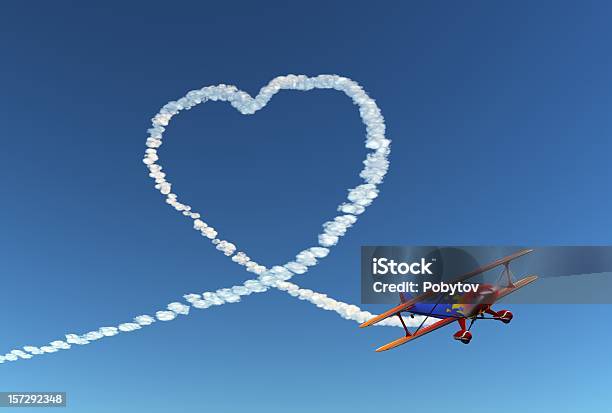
(459, 305)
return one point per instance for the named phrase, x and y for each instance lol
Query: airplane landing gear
(505, 316)
(463, 335)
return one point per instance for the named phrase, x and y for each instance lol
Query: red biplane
(465, 306)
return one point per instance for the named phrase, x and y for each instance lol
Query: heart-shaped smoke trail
(375, 167)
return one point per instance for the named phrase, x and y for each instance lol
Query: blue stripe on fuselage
(441, 310)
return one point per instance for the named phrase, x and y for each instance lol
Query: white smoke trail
(376, 165)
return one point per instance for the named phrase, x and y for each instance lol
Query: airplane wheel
(464, 336)
(505, 316)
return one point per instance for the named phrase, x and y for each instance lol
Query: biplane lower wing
(421, 332)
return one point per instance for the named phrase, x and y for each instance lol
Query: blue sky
(499, 116)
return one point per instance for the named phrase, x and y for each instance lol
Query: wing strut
(430, 313)
(399, 315)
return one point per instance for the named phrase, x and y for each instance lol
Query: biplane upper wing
(406, 305)
(421, 332)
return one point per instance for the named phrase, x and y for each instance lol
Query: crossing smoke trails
(359, 198)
